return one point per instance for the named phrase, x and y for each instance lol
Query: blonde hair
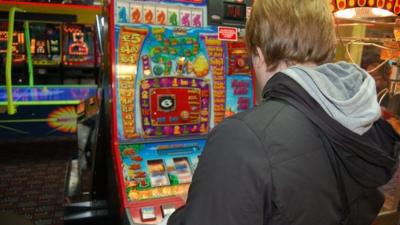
(291, 31)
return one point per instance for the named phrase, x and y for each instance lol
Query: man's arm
(229, 186)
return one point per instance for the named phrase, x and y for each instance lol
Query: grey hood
(345, 91)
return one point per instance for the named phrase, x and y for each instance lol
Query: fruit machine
(45, 43)
(173, 79)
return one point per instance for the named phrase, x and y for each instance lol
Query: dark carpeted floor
(32, 176)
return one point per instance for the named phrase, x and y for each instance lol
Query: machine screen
(161, 169)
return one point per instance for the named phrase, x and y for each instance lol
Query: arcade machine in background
(365, 30)
(73, 62)
(80, 57)
(18, 51)
(173, 78)
(46, 52)
(46, 86)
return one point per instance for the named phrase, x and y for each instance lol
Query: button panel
(148, 213)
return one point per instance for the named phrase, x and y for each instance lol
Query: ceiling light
(346, 13)
(381, 12)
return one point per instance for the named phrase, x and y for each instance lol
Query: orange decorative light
(361, 3)
(341, 4)
(389, 4)
(63, 119)
(371, 3)
(381, 3)
(396, 8)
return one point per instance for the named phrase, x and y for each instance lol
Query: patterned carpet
(32, 177)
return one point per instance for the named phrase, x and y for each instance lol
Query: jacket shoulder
(277, 123)
(262, 116)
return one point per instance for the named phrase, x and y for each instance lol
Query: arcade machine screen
(45, 44)
(175, 81)
(78, 45)
(18, 45)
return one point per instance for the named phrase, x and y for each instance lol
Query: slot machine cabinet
(173, 81)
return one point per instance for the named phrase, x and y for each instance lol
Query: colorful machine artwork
(187, 14)
(39, 121)
(45, 43)
(18, 45)
(175, 81)
(157, 170)
(78, 45)
(172, 83)
(53, 115)
(48, 93)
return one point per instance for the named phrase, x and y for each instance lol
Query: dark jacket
(270, 166)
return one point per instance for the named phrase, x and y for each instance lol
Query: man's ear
(258, 60)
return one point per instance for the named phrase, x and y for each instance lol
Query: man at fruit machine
(314, 152)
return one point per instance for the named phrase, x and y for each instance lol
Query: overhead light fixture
(381, 12)
(346, 13)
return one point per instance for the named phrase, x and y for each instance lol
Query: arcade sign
(390, 5)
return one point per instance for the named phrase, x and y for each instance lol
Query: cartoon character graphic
(148, 17)
(122, 15)
(197, 21)
(173, 19)
(186, 20)
(161, 18)
(136, 15)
